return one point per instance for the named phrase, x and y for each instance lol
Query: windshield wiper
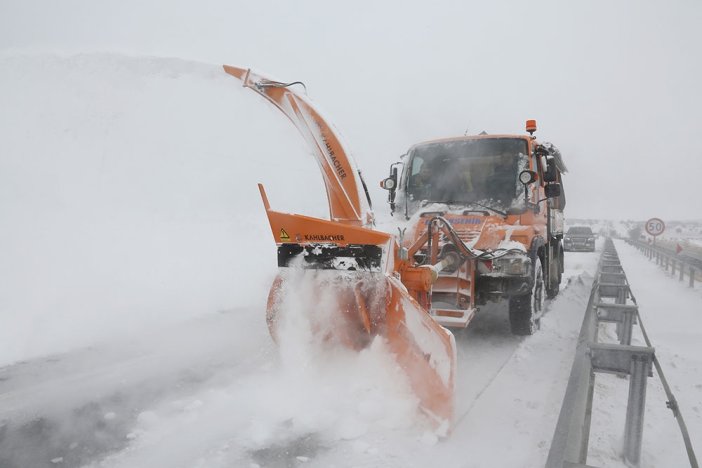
(500, 212)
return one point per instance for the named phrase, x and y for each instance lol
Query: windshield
(580, 230)
(482, 171)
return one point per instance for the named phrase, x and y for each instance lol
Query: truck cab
(502, 196)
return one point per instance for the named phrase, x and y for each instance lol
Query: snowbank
(128, 196)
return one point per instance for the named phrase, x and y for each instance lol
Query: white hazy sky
(614, 84)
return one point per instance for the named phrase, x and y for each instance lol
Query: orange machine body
(507, 249)
(378, 292)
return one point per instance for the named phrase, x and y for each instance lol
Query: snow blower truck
(381, 284)
(495, 202)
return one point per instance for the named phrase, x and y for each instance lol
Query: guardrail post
(627, 327)
(636, 361)
(623, 315)
(633, 428)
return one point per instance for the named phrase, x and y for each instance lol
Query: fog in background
(129, 161)
(614, 84)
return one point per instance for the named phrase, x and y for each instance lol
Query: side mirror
(552, 190)
(550, 171)
(390, 184)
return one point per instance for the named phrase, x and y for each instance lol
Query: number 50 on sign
(655, 226)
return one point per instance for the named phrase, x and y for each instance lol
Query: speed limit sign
(655, 226)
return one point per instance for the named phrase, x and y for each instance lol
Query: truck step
(453, 318)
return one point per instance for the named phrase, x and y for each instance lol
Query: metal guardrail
(611, 300)
(669, 260)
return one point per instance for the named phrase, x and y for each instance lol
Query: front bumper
(510, 275)
(579, 244)
(579, 247)
(493, 288)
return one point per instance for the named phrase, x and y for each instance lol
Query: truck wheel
(552, 291)
(525, 311)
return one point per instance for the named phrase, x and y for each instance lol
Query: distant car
(579, 238)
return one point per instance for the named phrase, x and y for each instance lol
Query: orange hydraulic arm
(348, 202)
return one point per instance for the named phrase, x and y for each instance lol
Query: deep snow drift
(128, 196)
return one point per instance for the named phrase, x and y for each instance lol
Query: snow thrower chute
(363, 269)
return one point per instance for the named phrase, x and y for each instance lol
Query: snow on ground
(228, 398)
(78, 404)
(671, 314)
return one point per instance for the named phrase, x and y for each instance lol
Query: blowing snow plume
(315, 397)
(342, 307)
(210, 392)
(343, 392)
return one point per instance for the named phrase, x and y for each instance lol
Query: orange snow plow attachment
(356, 271)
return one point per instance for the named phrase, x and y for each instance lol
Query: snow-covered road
(215, 392)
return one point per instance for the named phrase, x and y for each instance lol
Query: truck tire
(552, 290)
(525, 311)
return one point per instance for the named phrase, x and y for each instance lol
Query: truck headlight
(517, 265)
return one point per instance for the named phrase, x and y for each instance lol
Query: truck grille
(468, 235)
